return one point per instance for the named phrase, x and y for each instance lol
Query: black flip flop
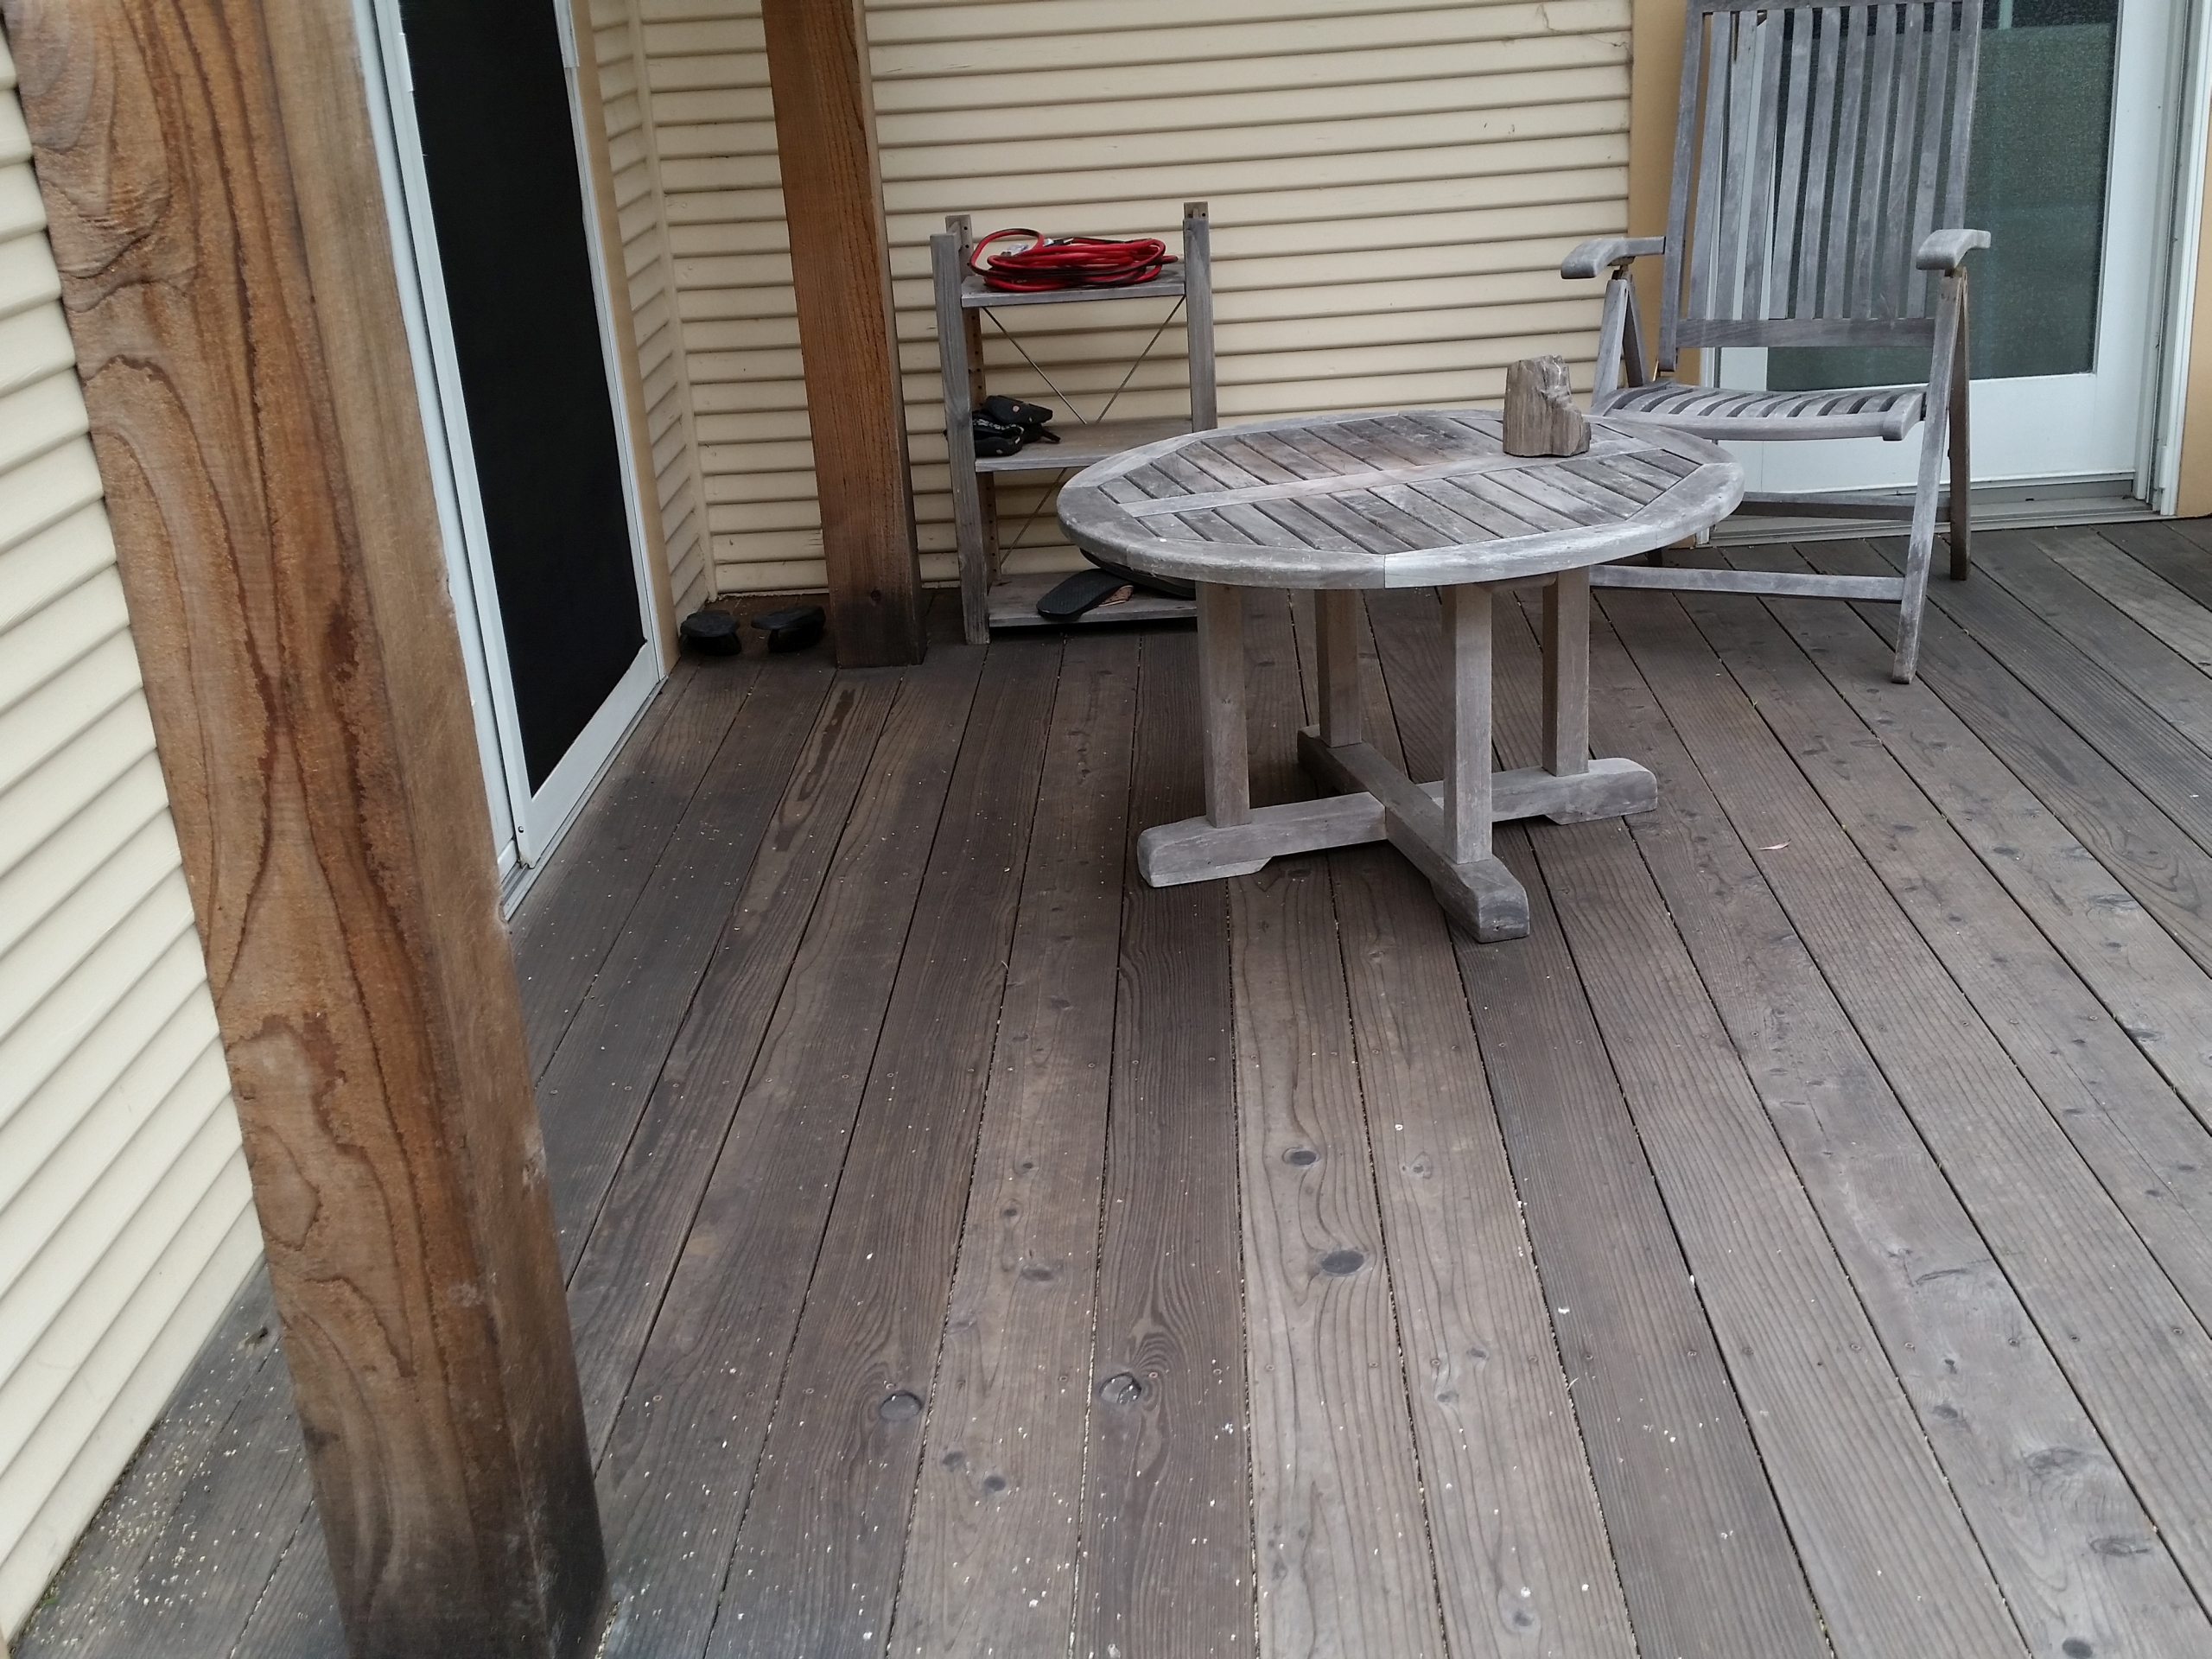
(1084, 591)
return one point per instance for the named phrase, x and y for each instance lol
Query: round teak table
(1411, 498)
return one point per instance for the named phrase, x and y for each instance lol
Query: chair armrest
(1947, 250)
(1590, 257)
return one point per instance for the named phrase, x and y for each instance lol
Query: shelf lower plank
(1082, 443)
(1014, 604)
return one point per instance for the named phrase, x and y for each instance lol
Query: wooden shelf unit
(988, 600)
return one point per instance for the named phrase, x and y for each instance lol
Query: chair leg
(1936, 428)
(1961, 452)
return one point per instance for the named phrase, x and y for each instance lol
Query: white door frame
(526, 823)
(2192, 137)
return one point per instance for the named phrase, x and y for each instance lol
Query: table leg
(1221, 683)
(1567, 673)
(1339, 616)
(1467, 784)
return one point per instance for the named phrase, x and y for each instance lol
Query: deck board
(2124, 1332)
(1001, 1474)
(876, 1072)
(818, 1556)
(1165, 1517)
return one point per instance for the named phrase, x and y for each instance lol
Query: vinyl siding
(662, 369)
(1392, 187)
(125, 1219)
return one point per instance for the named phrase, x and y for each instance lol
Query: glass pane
(2042, 124)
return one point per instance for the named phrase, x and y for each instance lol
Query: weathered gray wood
(593, 1090)
(1540, 416)
(1700, 1548)
(2172, 548)
(632, 1249)
(1083, 442)
(976, 293)
(1336, 1511)
(1014, 604)
(2078, 1264)
(1808, 331)
(573, 910)
(674, 1497)
(1338, 691)
(2107, 1029)
(1366, 540)
(1890, 1558)
(1984, 1384)
(956, 366)
(2062, 575)
(2117, 776)
(1165, 1517)
(1802, 585)
(1812, 216)
(1467, 625)
(1567, 673)
(1227, 769)
(2161, 609)
(1198, 313)
(1513, 1521)
(1003, 1449)
(1842, 259)
(816, 1566)
(1479, 893)
(1195, 850)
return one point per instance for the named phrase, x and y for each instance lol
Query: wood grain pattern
(1001, 1470)
(841, 274)
(2031, 568)
(1166, 1515)
(636, 1238)
(577, 905)
(719, 1343)
(2078, 1264)
(592, 1094)
(1333, 1475)
(237, 327)
(1337, 1512)
(2119, 781)
(2093, 999)
(1522, 1564)
(1988, 1388)
(817, 1557)
(1700, 1548)
(1869, 1512)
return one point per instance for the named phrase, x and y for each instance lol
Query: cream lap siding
(642, 212)
(125, 1219)
(1391, 186)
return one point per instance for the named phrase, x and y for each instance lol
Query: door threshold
(2043, 505)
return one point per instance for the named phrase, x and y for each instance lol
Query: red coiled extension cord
(1068, 262)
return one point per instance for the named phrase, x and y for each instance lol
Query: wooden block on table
(1541, 418)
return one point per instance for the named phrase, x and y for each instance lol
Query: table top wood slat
(1319, 501)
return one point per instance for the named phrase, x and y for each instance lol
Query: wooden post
(210, 180)
(841, 269)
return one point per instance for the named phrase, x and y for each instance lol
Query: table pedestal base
(1377, 802)
(1444, 827)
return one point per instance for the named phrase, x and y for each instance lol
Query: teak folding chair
(1820, 176)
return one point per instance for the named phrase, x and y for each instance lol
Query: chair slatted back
(1815, 147)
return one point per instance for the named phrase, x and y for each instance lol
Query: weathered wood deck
(1802, 1242)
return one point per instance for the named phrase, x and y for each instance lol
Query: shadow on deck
(1802, 1242)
